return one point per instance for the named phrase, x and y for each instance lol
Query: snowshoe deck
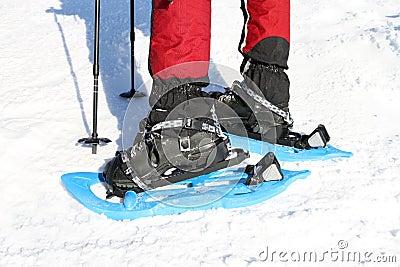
(285, 153)
(220, 189)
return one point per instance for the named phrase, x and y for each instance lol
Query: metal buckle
(184, 144)
(187, 122)
(208, 127)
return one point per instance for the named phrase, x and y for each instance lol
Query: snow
(344, 71)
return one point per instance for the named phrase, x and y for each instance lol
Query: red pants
(181, 31)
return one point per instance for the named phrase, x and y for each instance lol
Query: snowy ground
(345, 73)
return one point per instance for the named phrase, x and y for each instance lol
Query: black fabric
(271, 50)
(164, 100)
(271, 80)
(165, 97)
(174, 82)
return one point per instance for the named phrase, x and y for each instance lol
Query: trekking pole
(94, 140)
(132, 92)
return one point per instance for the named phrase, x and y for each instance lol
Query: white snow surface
(344, 71)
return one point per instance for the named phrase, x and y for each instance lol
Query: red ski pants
(181, 31)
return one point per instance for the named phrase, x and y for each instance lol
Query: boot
(262, 102)
(272, 83)
(181, 139)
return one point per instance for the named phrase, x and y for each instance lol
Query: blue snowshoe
(227, 188)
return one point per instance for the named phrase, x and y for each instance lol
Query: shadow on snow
(114, 49)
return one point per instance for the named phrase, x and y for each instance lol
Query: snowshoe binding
(261, 100)
(181, 139)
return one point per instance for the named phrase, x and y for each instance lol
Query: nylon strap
(189, 123)
(129, 172)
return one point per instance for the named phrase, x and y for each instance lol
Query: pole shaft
(132, 37)
(96, 72)
(94, 140)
